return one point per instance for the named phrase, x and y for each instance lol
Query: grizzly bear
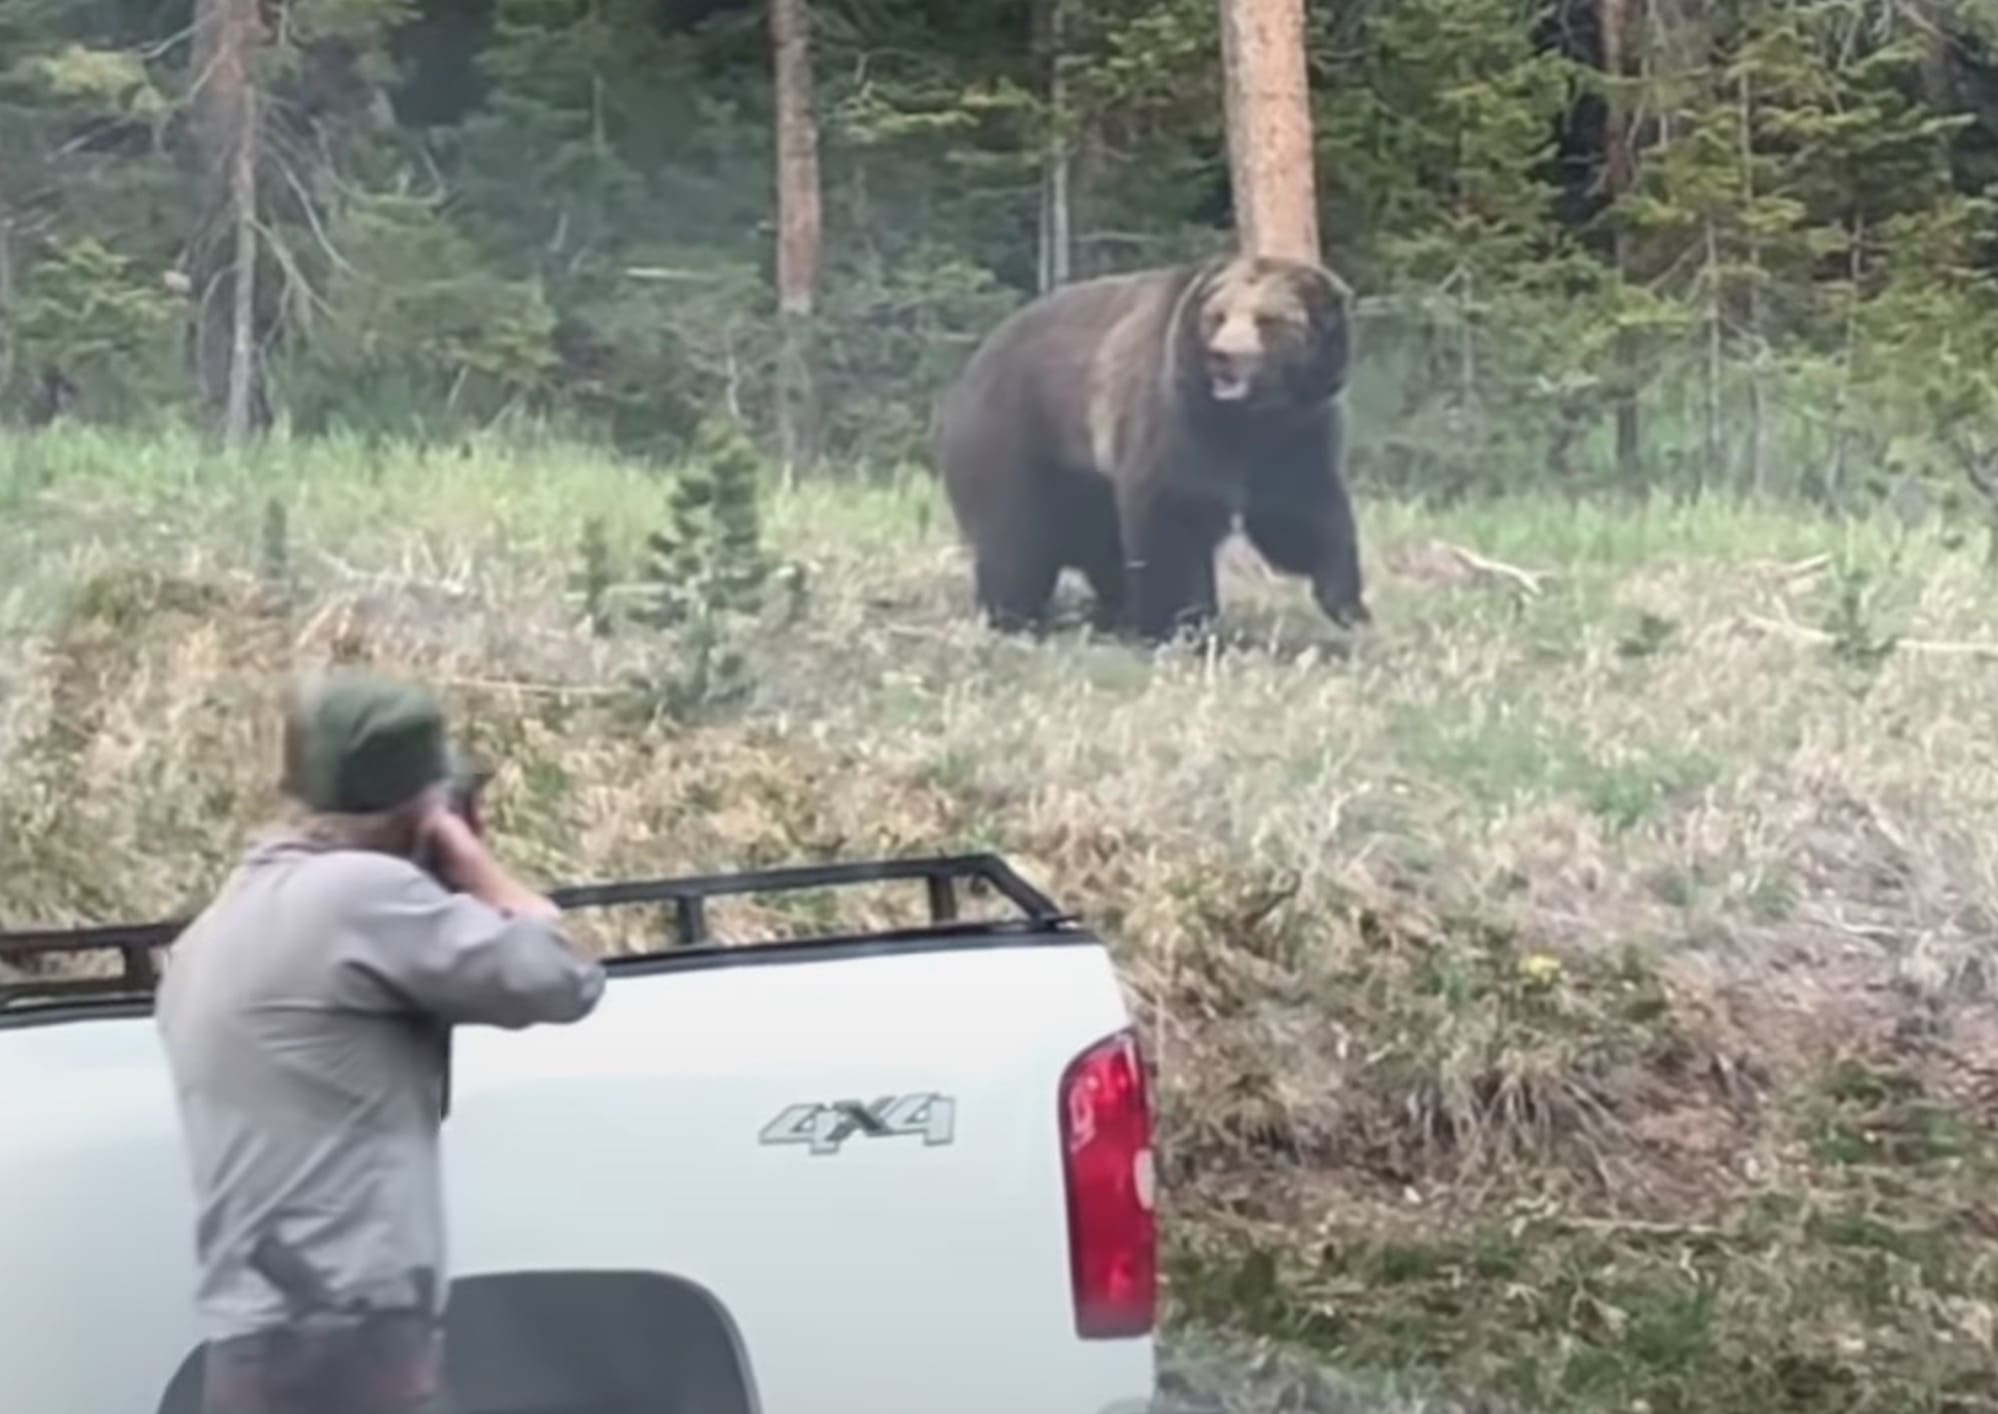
(1123, 425)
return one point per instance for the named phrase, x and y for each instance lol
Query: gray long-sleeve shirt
(302, 1015)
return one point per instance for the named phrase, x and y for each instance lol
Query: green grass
(1574, 994)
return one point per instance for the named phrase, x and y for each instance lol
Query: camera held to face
(464, 794)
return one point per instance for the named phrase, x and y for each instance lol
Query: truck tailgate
(919, 1275)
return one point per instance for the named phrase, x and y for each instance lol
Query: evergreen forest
(1657, 244)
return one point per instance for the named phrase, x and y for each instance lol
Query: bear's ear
(1201, 284)
(1327, 299)
(1328, 309)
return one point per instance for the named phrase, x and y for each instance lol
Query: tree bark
(798, 236)
(1711, 469)
(1270, 158)
(6, 300)
(1835, 471)
(1756, 412)
(1619, 167)
(227, 36)
(1056, 242)
(242, 340)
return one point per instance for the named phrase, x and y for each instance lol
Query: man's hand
(463, 858)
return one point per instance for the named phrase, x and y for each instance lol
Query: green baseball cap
(355, 743)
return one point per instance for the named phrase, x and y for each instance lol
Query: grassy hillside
(1576, 994)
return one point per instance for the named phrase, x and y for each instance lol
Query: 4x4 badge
(825, 1127)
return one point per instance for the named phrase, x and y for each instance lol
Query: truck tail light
(1106, 1130)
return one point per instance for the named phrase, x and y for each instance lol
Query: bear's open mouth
(1228, 387)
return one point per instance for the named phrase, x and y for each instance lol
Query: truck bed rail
(137, 945)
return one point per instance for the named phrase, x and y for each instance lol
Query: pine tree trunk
(1834, 476)
(1056, 242)
(227, 35)
(1613, 18)
(1756, 412)
(798, 226)
(6, 300)
(242, 342)
(1270, 156)
(1710, 468)
(1087, 169)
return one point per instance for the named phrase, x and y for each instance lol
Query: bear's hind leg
(1089, 512)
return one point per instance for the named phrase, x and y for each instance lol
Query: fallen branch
(1639, 1227)
(385, 579)
(537, 689)
(635, 589)
(1806, 568)
(1797, 633)
(1527, 580)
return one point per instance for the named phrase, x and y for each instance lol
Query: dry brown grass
(1577, 993)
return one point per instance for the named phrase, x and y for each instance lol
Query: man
(303, 1015)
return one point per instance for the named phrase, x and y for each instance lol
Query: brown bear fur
(1122, 425)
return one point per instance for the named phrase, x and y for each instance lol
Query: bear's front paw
(1347, 610)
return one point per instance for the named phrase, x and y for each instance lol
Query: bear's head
(1265, 335)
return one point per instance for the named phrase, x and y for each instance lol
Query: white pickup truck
(905, 1172)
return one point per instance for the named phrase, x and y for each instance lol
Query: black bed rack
(139, 944)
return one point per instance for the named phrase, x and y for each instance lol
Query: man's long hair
(390, 831)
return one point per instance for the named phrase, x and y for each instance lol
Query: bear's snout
(1232, 367)
(1227, 378)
